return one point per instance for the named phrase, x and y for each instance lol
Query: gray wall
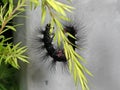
(102, 23)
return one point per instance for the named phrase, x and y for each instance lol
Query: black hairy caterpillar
(43, 46)
(57, 54)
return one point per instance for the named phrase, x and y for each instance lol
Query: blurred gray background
(102, 23)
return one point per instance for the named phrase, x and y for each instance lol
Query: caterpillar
(44, 47)
(56, 54)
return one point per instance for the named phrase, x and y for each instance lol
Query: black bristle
(52, 65)
(44, 57)
(41, 31)
(43, 47)
(41, 40)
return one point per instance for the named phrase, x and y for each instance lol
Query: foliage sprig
(57, 12)
(12, 12)
(10, 53)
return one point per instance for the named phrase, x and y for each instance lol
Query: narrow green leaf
(16, 46)
(14, 63)
(71, 35)
(20, 49)
(43, 16)
(70, 65)
(80, 57)
(11, 27)
(10, 10)
(34, 3)
(53, 5)
(21, 9)
(64, 18)
(65, 7)
(75, 75)
(88, 72)
(65, 50)
(23, 58)
(59, 39)
(8, 58)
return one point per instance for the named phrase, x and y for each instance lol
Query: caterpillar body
(43, 47)
(57, 54)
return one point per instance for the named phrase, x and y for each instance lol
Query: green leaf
(12, 53)
(34, 3)
(14, 63)
(75, 76)
(65, 7)
(43, 14)
(23, 58)
(80, 57)
(21, 9)
(88, 72)
(10, 8)
(11, 27)
(66, 51)
(53, 5)
(70, 35)
(64, 18)
(21, 50)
